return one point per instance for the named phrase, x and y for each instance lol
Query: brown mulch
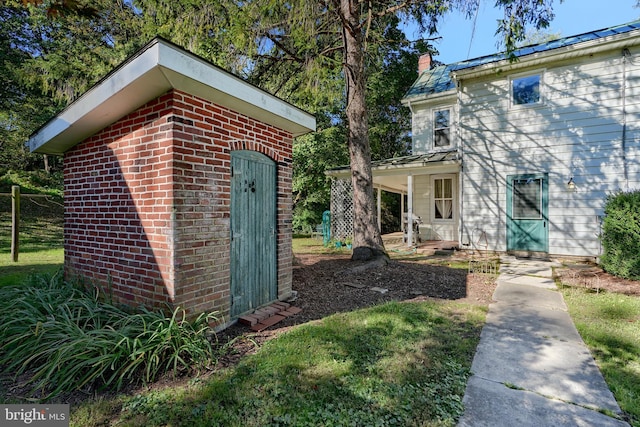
(326, 284)
(591, 276)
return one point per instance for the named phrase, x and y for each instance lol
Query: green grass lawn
(609, 323)
(29, 263)
(40, 238)
(308, 245)
(402, 364)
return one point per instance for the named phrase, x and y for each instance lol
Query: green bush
(621, 235)
(65, 339)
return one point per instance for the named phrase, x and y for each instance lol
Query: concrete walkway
(531, 367)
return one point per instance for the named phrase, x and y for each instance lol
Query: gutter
(420, 99)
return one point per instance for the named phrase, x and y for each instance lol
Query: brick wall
(147, 203)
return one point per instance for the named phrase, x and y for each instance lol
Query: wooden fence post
(15, 222)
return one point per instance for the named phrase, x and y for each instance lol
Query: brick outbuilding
(177, 184)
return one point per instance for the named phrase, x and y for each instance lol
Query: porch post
(401, 212)
(380, 209)
(410, 210)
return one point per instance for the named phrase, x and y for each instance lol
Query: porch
(428, 185)
(396, 242)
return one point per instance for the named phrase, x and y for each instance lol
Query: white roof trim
(443, 97)
(155, 69)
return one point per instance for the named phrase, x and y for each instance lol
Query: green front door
(253, 231)
(527, 213)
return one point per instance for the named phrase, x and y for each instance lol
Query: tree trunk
(367, 241)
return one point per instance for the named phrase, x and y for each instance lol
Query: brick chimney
(424, 63)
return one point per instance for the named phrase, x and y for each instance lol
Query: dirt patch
(593, 277)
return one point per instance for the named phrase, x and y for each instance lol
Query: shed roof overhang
(391, 174)
(157, 68)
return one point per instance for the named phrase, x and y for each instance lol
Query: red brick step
(268, 316)
(269, 321)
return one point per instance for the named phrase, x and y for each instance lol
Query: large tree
(50, 52)
(313, 36)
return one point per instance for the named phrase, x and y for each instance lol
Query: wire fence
(30, 222)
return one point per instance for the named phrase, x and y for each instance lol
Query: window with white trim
(443, 198)
(525, 90)
(442, 128)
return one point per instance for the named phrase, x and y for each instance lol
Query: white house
(519, 155)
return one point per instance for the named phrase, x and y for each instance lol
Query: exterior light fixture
(571, 185)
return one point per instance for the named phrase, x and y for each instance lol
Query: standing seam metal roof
(438, 79)
(407, 161)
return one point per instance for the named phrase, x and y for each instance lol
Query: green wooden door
(253, 231)
(527, 213)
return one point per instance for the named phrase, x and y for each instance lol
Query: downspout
(467, 242)
(411, 110)
(625, 55)
(409, 224)
(410, 210)
(379, 209)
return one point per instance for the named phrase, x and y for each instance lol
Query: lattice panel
(341, 209)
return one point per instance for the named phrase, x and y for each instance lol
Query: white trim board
(157, 68)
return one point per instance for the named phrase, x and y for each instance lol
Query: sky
(571, 17)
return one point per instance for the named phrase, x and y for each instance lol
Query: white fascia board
(156, 69)
(128, 87)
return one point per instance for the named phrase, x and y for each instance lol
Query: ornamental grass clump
(66, 339)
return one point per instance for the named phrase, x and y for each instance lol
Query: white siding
(575, 131)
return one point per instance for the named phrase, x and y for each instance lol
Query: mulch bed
(593, 277)
(326, 284)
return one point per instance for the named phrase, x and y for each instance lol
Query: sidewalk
(531, 367)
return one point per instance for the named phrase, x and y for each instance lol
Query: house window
(441, 128)
(525, 90)
(443, 198)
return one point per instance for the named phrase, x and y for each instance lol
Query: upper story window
(442, 128)
(525, 90)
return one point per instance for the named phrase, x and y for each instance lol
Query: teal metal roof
(438, 79)
(406, 161)
(435, 80)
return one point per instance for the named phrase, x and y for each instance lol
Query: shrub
(621, 235)
(65, 339)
